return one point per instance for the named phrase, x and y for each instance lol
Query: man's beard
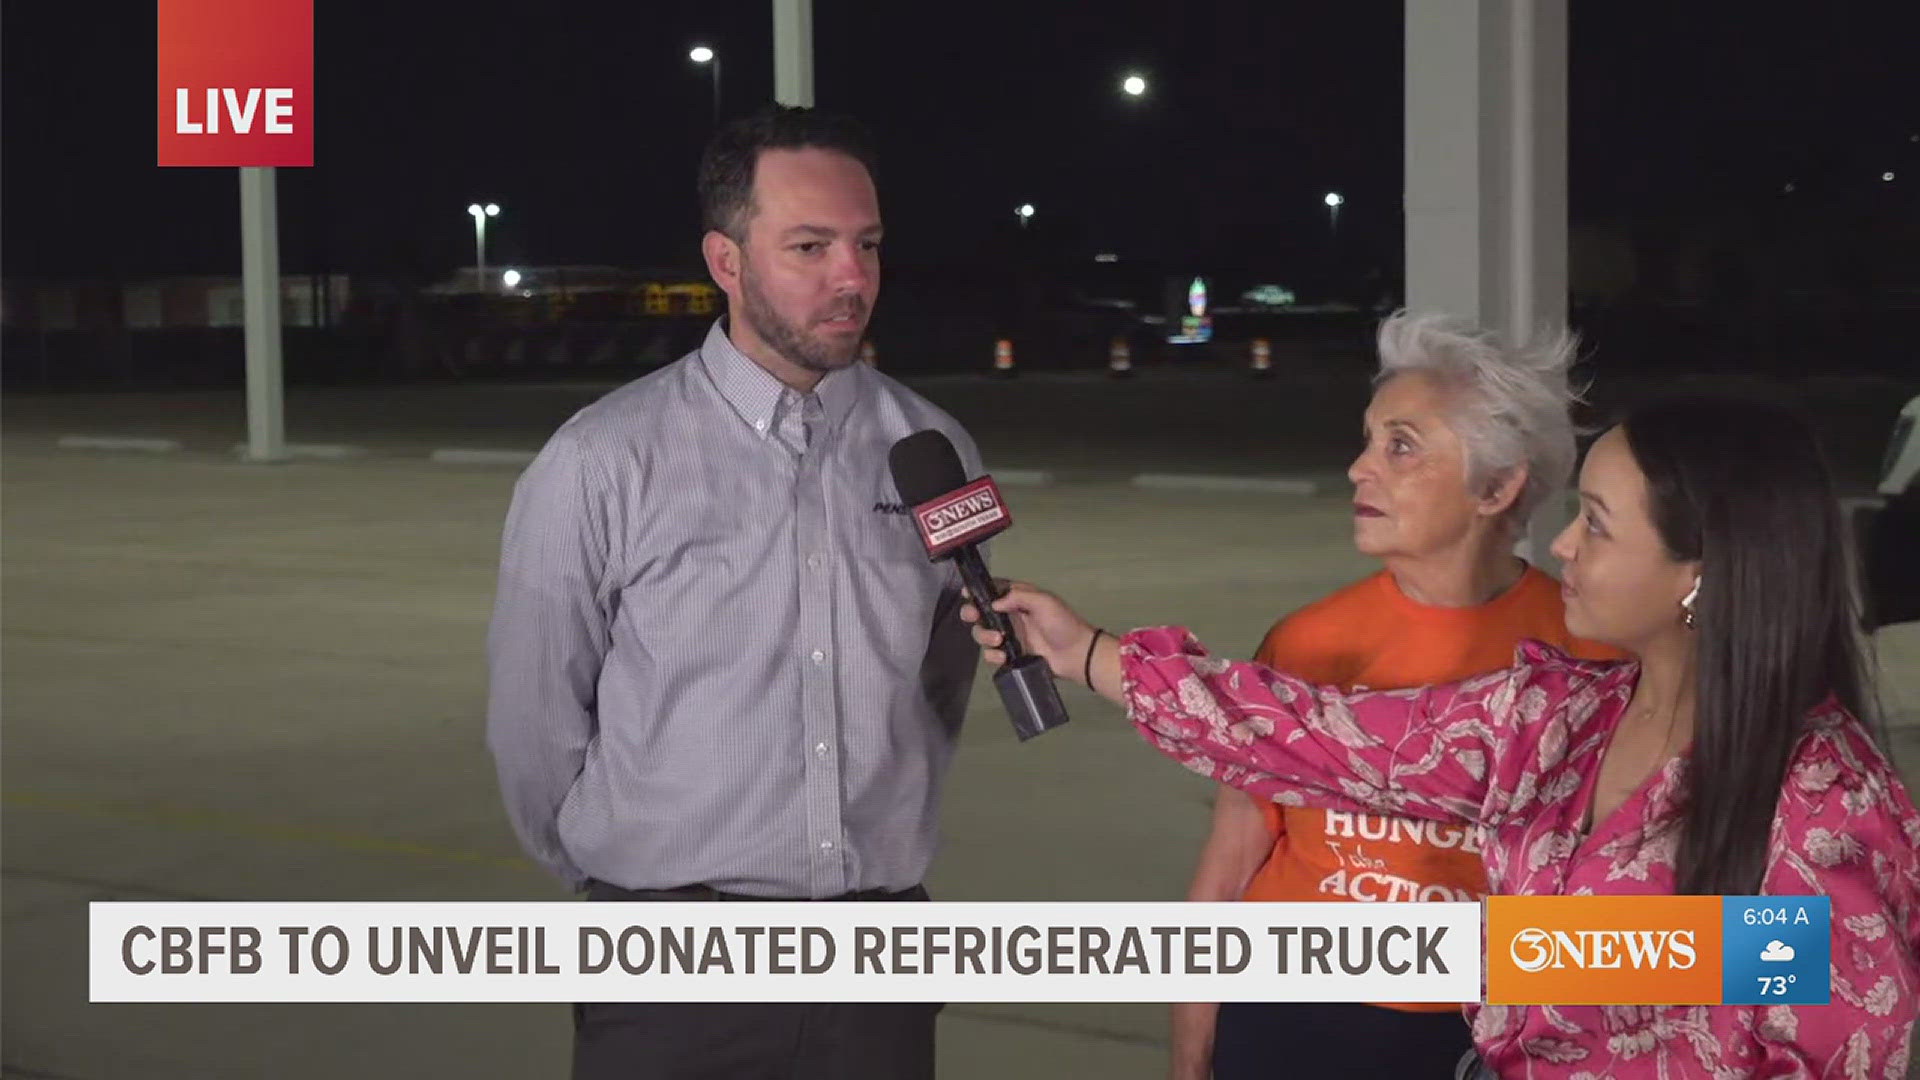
(792, 341)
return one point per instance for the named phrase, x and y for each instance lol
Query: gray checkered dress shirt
(719, 654)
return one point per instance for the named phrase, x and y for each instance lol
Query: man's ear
(723, 261)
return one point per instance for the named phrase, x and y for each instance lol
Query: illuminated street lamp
(480, 216)
(700, 54)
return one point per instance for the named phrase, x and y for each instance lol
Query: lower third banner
(958, 952)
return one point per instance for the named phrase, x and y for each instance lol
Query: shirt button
(814, 561)
(826, 845)
(819, 657)
(820, 749)
(759, 425)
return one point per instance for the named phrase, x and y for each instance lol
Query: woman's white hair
(1508, 407)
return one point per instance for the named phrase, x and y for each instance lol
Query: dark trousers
(750, 1040)
(1264, 1041)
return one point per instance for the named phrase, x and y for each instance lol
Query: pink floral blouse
(1517, 752)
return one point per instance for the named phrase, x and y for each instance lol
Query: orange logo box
(1603, 950)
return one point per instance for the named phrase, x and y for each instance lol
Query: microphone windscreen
(925, 467)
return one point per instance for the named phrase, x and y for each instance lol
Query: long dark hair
(1743, 487)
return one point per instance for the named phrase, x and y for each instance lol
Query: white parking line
(315, 451)
(483, 457)
(112, 442)
(1265, 485)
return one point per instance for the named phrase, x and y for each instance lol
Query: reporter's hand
(1045, 625)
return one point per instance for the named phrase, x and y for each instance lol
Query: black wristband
(1087, 668)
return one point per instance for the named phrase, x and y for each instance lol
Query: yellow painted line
(190, 819)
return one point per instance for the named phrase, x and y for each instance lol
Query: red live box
(236, 82)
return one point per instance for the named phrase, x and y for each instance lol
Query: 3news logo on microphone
(967, 516)
(235, 83)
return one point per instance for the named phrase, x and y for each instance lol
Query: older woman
(1465, 438)
(1726, 758)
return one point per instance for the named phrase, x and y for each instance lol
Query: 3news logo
(1534, 949)
(967, 516)
(235, 83)
(1658, 950)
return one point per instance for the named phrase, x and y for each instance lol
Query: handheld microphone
(954, 516)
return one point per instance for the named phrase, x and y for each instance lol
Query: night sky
(583, 120)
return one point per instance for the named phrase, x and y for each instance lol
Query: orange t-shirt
(1370, 636)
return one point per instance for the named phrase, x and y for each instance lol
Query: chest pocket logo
(885, 530)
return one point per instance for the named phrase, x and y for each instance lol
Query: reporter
(1729, 756)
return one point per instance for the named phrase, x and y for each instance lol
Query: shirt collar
(755, 394)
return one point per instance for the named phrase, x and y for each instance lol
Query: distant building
(590, 291)
(306, 300)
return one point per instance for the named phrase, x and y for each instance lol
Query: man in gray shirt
(722, 665)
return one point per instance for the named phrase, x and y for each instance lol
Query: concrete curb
(460, 456)
(314, 451)
(1262, 485)
(110, 442)
(454, 456)
(1023, 477)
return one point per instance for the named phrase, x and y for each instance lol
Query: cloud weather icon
(1778, 952)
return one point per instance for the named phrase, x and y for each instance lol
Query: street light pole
(1334, 201)
(480, 216)
(700, 54)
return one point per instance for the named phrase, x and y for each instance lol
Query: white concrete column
(260, 289)
(793, 52)
(1486, 171)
